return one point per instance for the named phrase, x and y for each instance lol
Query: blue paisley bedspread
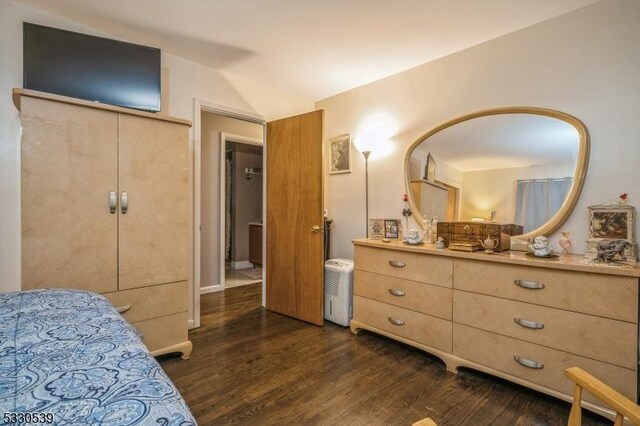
(69, 353)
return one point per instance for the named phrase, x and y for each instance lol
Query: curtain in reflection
(539, 199)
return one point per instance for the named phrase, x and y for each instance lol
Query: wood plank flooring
(250, 366)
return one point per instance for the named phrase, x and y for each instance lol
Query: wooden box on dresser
(518, 318)
(105, 208)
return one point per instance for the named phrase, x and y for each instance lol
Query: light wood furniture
(526, 320)
(255, 244)
(425, 422)
(610, 397)
(105, 208)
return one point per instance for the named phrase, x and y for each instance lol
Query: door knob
(315, 229)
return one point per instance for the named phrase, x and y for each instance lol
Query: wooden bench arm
(425, 422)
(604, 393)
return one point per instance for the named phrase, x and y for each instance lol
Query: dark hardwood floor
(250, 366)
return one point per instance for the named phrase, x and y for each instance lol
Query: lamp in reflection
(490, 217)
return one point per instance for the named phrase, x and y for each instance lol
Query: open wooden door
(295, 241)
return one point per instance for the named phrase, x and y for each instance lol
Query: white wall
(183, 80)
(584, 63)
(212, 126)
(495, 190)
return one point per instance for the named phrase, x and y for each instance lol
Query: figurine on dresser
(565, 242)
(414, 237)
(489, 244)
(540, 247)
(606, 250)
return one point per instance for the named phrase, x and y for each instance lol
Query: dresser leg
(354, 326)
(184, 348)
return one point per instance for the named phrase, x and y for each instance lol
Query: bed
(68, 356)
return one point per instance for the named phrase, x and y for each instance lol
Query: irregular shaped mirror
(522, 166)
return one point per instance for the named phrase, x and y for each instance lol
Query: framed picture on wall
(376, 229)
(340, 155)
(430, 169)
(391, 228)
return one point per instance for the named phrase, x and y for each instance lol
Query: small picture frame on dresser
(376, 229)
(615, 220)
(392, 228)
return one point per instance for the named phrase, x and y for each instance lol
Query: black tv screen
(91, 68)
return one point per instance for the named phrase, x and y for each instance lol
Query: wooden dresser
(105, 208)
(522, 319)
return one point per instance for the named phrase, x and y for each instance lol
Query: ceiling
(310, 48)
(504, 141)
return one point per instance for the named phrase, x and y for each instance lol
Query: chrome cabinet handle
(124, 202)
(396, 321)
(123, 309)
(531, 285)
(397, 292)
(528, 323)
(113, 202)
(536, 365)
(397, 264)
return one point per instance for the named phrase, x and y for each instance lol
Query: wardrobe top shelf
(570, 262)
(19, 93)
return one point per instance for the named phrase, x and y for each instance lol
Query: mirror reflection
(509, 168)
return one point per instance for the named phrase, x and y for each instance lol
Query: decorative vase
(565, 242)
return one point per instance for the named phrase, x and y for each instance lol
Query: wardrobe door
(69, 168)
(154, 227)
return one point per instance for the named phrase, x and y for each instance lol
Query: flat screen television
(91, 68)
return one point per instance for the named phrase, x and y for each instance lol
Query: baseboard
(210, 289)
(244, 264)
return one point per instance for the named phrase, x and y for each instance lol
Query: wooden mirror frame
(582, 162)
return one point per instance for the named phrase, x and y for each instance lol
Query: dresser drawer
(410, 266)
(426, 298)
(599, 338)
(151, 302)
(596, 294)
(497, 352)
(162, 332)
(421, 328)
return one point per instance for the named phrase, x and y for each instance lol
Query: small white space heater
(338, 291)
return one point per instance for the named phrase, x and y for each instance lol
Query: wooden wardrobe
(105, 208)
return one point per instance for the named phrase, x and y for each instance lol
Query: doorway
(218, 129)
(291, 284)
(242, 197)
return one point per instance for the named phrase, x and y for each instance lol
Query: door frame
(200, 106)
(224, 137)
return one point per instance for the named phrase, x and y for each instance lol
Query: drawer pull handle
(397, 264)
(123, 309)
(528, 323)
(536, 365)
(531, 285)
(113, 202)
(397, 292)
(396, 321)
